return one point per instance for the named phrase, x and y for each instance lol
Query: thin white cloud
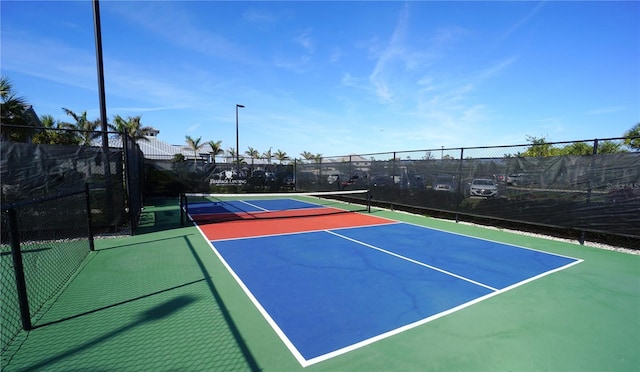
(335, 56)
(496, 68)
(139, 109)
(77, 68)
(606, 110)
(172, 24)
(392, 50)
(193, 128)
(520, 23)
(259, 17)
(63, 64)
(298, 64)
(303, 38)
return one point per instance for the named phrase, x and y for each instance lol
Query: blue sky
(334, 77)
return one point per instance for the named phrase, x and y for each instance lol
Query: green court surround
(161, 300)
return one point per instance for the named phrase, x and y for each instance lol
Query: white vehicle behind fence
(483, 187)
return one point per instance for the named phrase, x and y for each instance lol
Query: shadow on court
(253, 365)
(154, 314)
(159, 215)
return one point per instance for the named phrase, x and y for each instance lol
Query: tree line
(20, 125)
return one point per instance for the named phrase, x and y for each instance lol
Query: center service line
(412, 260)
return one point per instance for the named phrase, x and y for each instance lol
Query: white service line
(413, 261)
(253, 205)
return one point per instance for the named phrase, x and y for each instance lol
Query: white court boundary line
(307, 362)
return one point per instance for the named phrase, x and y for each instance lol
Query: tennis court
(329, 282)
(379, 291)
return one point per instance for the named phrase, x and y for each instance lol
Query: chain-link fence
(43, 244)
(577, 187)
(581, 186)
(46, 190)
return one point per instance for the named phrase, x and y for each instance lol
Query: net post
(18, 268)
(90, 233)
(368, 200)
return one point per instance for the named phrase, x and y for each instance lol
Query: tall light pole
(237, 141)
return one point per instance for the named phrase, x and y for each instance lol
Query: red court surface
(287, 222)
(204, 218)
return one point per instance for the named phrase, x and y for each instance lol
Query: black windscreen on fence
(582, 186)
(599, 192)
(116, 177)
(134, 180)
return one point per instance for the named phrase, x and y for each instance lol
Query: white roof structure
(156, 149)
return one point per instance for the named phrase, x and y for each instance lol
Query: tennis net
(212, 208)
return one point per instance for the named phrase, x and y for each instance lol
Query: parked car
(284, 180)
(333, 178)
(381, 181)
(483, 187)
(257, 178)
(306, 179)
(444, 183)
(521, 179)
(410, 181)
(357, 180)
(501, 178)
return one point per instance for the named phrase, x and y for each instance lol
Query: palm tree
(539, 148)
(577, 148)
(46, 136)
(232, 153)
(13, 111)
(610, 147)
(54, 133)
(216, 148)
(252, 153)
(281, 156)
(195, 145)
(87, 129)
(132, 127)
(267, 155)
(633, 143)
(307, 155)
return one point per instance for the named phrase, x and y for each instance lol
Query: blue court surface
(248, 206)
(328, 292)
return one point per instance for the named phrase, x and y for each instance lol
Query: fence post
(393, 171)
(589, 184)
(90, 232)
(18, 268)
(127, 180)
(295, 174)
(460, 190)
